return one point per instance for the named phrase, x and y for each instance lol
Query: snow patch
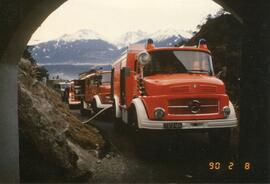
(158, 36)
(84, 34)
(169, 32)
(130, 38)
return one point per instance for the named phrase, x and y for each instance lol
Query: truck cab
(97, 88)
(171, 88)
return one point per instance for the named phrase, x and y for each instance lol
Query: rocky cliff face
(48, 133)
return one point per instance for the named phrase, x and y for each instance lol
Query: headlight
(143, 57)
(159, 113)
(226, 111)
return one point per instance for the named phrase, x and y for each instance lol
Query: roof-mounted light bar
(202, 44)
(150, 44)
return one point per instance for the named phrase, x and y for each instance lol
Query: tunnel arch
(20, 20)
(27, 26)
(39, 10)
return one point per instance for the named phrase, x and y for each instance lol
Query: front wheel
(70, 106)
(141, 139)
(94, 106)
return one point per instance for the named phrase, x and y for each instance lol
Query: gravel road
(181, 158)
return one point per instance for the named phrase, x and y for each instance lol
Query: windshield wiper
(198, 71)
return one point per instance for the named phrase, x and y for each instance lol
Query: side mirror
(219, 74)
(222, 73)
(98, 79)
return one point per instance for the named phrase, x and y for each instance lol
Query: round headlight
(144, 57)
(159, 113)
(226, 111)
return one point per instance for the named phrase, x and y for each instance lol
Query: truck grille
(180, 89)
(199, 89)
(193, 106)
(207, 89)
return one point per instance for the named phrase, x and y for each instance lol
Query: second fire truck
(96, 85)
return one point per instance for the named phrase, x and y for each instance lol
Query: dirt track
(180, 158)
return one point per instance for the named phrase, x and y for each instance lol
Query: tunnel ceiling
(232, 6)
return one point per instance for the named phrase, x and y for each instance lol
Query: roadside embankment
(50, 136)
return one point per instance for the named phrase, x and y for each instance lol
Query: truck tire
(117, 122)
(220, 140)
(82, 110)
(94, 106)
(140, 138)
(70, 106)
(117, 125)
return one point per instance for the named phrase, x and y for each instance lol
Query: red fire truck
(170, 88)
(74, 92)
(97, 88)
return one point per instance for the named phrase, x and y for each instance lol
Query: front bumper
(73, 102)
(191, 124)
(145, 123)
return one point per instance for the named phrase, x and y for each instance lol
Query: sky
(112, 18)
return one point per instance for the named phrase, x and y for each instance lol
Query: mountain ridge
(86, 48)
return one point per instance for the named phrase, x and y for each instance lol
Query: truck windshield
(106, 78)
(172, 61)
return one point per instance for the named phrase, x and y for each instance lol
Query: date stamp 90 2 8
(215, 166)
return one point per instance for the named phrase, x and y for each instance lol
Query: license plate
(197, 124)
(172, 125)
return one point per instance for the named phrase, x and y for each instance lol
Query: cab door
(125, 85)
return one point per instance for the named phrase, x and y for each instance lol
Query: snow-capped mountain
(164, 34)
(67, 51)
(84, 34)
(88, 46)
(77, 51)
(163, 37)
(131, 37)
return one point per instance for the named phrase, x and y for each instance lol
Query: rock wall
(46, 129)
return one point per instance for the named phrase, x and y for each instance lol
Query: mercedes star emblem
(195, 106)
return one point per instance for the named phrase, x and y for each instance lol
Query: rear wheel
(117, 122)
